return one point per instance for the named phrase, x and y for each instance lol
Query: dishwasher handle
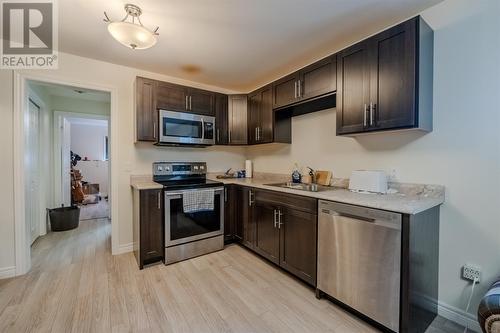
(358, 213)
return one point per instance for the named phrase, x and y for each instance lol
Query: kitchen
(283, 120)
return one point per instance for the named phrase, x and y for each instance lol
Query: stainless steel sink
(303, 187)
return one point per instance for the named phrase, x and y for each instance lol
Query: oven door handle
(171, 194)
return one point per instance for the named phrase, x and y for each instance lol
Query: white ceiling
(234, 44)
(73, 92)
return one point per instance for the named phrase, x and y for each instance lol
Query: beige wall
(462, 153)
(7, 255)
(69, 104)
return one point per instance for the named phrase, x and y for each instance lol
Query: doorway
(62, 122)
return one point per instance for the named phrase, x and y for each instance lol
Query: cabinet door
(230, 202)
(201, 102)
(221, 119)
(266, 126)
(285, 90)
(151, 226)
(246, 208)
(352, 89)
(145, 110)
(171, 97)
(237, 120)
(254, 101)
(267, 235)
(298, 231)
(393, 77)
(319, 78)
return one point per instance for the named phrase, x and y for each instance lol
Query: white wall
(88, 140)
(95, 172)
(462, 153)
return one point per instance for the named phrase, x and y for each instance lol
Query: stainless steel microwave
(181, 128)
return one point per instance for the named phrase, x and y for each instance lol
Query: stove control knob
(159, 168)
(195, 167)
(167, 168)
(202, 167)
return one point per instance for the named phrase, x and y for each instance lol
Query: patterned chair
(488, 312)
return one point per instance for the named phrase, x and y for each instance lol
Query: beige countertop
(410, 198)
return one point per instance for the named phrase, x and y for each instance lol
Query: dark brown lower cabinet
(267, 242)
(282, 228)
(298, 231)
(148, 226)
(230, 202)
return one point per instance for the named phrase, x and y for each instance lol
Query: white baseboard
(458, 316)
(124, 248)
(7, 272)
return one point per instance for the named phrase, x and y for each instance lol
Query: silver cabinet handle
(364, 115)
(250, 198)
(159, 199)
(374, 114)
(275, 218)
(279, 218)
(218, 136)
(187, 104)
(229, 134)
(154, 130)
(256, 134)
(371, 114)
(300, 88)
(295, 95)
(225, 194)
(191, 103)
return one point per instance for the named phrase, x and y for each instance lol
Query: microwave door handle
(202, 129)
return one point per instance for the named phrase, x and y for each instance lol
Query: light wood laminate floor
(76, 285)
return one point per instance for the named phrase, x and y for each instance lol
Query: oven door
(183, 227)
(186, 128)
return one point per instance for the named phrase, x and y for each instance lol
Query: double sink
(303, 187)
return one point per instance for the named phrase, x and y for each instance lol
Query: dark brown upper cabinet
(260, 116)
(174, 97)
(385, 81)
(313, 81)
(237, 120)
(145, 110)
(201, 101)
(221, 119)
(171, 97)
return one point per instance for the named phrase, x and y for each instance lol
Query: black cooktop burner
(172, 185)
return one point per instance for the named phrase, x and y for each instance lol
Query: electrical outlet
(470, 272)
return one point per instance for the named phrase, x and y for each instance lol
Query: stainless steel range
(195, 232)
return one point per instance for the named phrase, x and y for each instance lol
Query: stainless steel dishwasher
(359, 259)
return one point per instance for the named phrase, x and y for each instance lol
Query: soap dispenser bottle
(296, 176)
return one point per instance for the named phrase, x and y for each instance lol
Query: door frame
(58, 117)
(22, 246)
(42, 226)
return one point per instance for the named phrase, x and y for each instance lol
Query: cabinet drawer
(291, 200)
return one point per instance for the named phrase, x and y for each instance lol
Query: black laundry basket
(64, 218)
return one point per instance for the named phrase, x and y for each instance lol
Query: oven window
(183, 225)
(182, 128)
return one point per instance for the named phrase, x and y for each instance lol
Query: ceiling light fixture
(130, 33)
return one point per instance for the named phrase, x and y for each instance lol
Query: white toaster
(374, 181)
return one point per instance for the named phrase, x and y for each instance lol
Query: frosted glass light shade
(132, 35)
